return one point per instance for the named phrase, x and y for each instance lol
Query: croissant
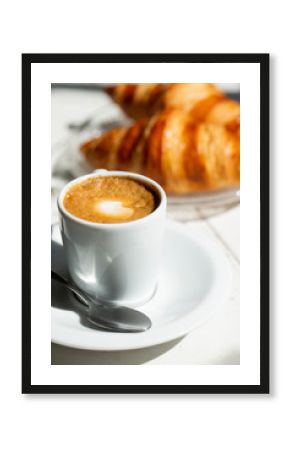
(144, 99)
(181, 154)
(205, 101)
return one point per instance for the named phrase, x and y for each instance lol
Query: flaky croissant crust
(144, 99)
(204, 100)
(173, 147)
(188, 137)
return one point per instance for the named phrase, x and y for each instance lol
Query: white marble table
(218, 340)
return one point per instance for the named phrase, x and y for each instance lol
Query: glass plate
(202, 204)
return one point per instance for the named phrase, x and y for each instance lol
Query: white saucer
(194, 281)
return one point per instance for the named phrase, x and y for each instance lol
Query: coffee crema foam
(109, 200)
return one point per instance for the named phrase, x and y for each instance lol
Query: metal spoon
(111, 318)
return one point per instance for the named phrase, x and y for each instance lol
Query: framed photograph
(145, 223)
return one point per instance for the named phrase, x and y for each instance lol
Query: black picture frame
(27, 61)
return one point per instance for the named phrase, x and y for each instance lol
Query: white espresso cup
(116, 263)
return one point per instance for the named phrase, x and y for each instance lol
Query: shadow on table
(61, 355)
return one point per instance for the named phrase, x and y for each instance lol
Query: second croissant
(183, 154)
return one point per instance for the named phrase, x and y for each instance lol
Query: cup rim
(106, 173)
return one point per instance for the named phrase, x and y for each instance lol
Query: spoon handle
(111, 318)
(72, 288)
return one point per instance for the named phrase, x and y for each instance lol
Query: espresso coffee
(110, 199)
